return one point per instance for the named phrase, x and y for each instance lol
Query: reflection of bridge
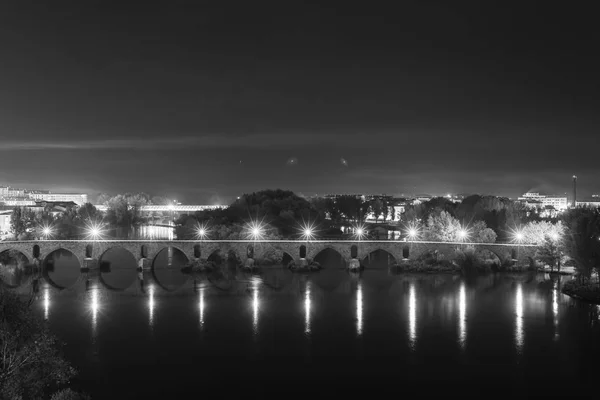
(148, 249)
(169, 208)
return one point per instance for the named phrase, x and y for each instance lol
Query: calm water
(281, 333)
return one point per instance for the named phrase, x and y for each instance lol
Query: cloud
(267, 141)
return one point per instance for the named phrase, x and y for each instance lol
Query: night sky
(205, 103)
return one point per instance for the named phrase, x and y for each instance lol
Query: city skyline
(204, 103)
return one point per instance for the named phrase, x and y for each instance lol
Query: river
(331, 332)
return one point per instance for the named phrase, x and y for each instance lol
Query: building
(537, 200)
(17, 201)
(593, 202)
(77, 198)
(7, 191)
(4, 223)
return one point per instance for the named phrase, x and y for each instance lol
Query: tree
(549, 252)
(482, 234)
(30, 363)
(582, 240)
(22, 220)
(89, 213)
(376, 208)
(441, 227)
(535, 232)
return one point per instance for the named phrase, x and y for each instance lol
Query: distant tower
(574, 190)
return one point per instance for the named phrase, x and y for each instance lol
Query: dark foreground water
(283, 334)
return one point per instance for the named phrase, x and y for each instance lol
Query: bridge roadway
(147, 250)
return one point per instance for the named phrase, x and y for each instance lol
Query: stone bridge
(147, 250)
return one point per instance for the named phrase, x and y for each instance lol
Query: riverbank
(589, 292)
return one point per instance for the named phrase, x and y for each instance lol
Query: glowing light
(519, 236)
(412, 230)
(201, 232)
(359, 310)
(519, 335)
(255, 230)
(307, 309)
(359, 232)
(412, 316)
(554, 236)
(462, 320)
(171, 207)
(462, 234)
(94, 230)
(47, 231)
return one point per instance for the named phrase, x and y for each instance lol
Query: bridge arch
(271, 256)
(62, 267)
(170, 278)
(377, 252)
(123, 274)
(329, 255)
(224, 254)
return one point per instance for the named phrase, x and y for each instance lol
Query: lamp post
(412, 234)
(462, 236)
(519, 237)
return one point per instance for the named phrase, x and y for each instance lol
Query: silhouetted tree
(29, 360)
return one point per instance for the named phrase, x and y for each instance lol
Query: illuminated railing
(169, 208)
(270, 241)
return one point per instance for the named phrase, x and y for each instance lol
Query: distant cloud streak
(267, 141)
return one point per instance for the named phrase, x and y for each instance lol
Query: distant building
(593, 202)
(17, 201)
(537, 200)
(5, 222)
(77, 198)
(7, 191)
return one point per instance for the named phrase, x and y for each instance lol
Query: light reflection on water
(307, 309)
(94, 309)
(459, 336)
(201, 307)
(46, 303)
(555, 308)
(255, 307)
(462, 319)
(519, 334)
(359, 309)
(153, 232)
(412, 316)
(151, 305)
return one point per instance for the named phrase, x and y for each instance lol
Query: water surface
(282, 333)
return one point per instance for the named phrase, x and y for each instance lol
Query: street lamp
(412, 233)
(519, 236)
(46, 232)
(94, 231)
